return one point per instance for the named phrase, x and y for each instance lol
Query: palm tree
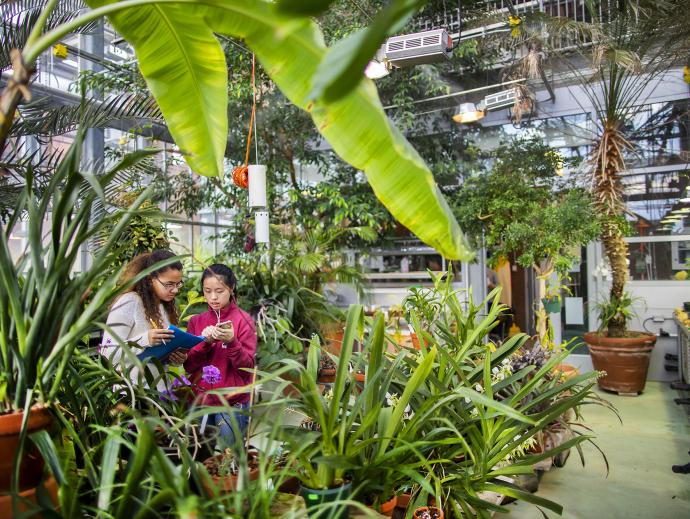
(630, 50)
(614, 51)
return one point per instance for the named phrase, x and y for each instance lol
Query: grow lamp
(377, 69)
(468, 113)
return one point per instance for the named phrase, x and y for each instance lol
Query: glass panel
(204, 242)
(183, 233)
(658, 261)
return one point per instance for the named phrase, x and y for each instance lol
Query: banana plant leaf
(182, 63)
(185, 68)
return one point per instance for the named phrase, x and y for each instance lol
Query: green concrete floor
(655, 435)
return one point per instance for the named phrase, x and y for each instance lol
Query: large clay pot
(31, 467)
(624, 359)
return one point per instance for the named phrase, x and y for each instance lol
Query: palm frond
(43, 118)
(19, 18)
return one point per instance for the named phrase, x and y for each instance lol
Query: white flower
(495, 370)
(478, 388)
(505, 361)
(467, 400)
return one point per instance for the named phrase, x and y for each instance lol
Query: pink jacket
(228, 358)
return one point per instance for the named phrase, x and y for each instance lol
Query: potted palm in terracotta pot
(622, 354)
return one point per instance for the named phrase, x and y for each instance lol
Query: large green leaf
(181, 59)
(355, 125)
(185, 68)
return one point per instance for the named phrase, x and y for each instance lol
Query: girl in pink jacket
(230, 346)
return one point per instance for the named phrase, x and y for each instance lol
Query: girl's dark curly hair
(144, 287)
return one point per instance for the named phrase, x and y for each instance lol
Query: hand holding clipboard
(180, 340)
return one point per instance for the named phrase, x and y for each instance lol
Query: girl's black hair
(145, 286)
(223, 272)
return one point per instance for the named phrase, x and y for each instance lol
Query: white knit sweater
(128, 322)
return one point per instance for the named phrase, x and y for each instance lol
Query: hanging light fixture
(377, 69)
(468, 113)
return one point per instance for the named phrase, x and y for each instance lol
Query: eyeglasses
(171, 285)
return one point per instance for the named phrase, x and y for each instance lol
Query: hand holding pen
(159, 335)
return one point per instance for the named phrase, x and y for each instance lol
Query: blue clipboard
(181, 340)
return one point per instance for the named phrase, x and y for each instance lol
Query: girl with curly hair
(141, 316)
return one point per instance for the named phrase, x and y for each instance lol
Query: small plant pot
(428, 512)
(415, 341)
(552, 305)
(388, 507)
(51, 487)
(228, 483)
(326, 376)
(314, 498)
(403, 501)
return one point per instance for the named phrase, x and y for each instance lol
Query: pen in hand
(155, 334)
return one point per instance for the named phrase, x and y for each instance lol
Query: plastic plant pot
(314, 498)
(552, 305)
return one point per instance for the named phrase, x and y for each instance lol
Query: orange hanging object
(240, 176)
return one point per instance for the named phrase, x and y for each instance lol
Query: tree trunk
(544, 271)
(616, 251)
(607, 189)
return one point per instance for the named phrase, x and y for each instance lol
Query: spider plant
(46, 313)
(501, 410)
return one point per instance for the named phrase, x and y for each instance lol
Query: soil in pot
(327, 369)
(624, 359)
(31, 468)
(316, 499)
(428, 512)
(224, 471)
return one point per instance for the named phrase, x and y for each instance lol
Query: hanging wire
(240, 175)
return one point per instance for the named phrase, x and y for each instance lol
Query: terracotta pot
(566, 370)
(388, 507)
(403, 501)
(227, 483)
(289, 390)
(326, 376)
(415, 341)
(334, 339)
(625, 360)
(419, 512)
(31, 467)
(51, 487)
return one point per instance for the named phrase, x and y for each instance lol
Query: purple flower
(168, 395)
(182, 381)
(211, 374)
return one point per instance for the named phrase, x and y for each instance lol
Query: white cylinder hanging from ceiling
(261, 227)
(257, 186)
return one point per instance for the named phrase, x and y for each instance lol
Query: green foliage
(524, 209)
(181, 59)
(40, 285)
(615, 309)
